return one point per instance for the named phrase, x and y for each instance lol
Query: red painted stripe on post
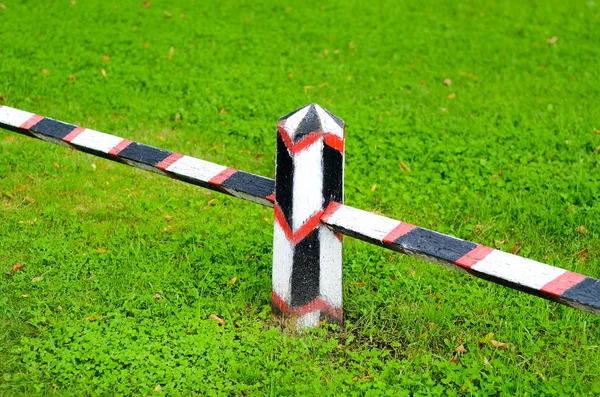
(73, 134)
(271, 197)
(562, 283)
(330, 210)
(305, 142)
(122, 145)
(303, 231)
(163, 165)
(472, 257)
(222, 176)
(280, 303)
(321, 305)
(398, 232)
(334, 142)
(33, 120)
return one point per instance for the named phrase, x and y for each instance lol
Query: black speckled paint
(435, 244)
(53, 128)
(253, 185)
(144, 154)
(284, 182)
(587, 292)
(306, 270)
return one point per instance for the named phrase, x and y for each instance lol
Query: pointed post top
(308, 119)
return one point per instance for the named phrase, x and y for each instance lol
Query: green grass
(510, 162)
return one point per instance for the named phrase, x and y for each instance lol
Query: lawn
(476, 118)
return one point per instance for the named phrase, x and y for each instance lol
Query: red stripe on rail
(562, 283)
(33, 120)
(119, 148)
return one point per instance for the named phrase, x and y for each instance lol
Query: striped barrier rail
(307, 194)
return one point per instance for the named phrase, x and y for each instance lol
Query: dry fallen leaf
(448, 82)
(404, 166)
(598, 149)
(17, 267)
(45, 71)
(223, 111)
(452, 96)
(580, 229)
(168, 14)
(307, 87)
(597, 131)
(2, 6)
(101, 250)
(105, 58)
(56, 165)
(443, 109)
(24, 296)
(146, 4)
(373, 188)
(486, 361)
(157, 297)
(516, 249)
(430, 326)
(171, 53)
(582, 253)
(219, 319)
(499, 345)
(232, 281)
(72, 77)
(168, 217)
(158, 388)
(103, 72)
(460, 349)
(552, 40)
(146, 45)
(30, 200)
(36, 279)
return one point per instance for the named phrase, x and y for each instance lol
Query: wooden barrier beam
(553, 283)
(307, 257)
(174, 165)
(549, 282)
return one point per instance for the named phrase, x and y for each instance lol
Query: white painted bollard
(307, 255)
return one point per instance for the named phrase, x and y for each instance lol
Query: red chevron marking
(471, 258)
(280, 303)
(304, 230)
(335, 142)
(295, 147)
(33, 120)
(331, 209)
(562, 283)
(316, 304)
